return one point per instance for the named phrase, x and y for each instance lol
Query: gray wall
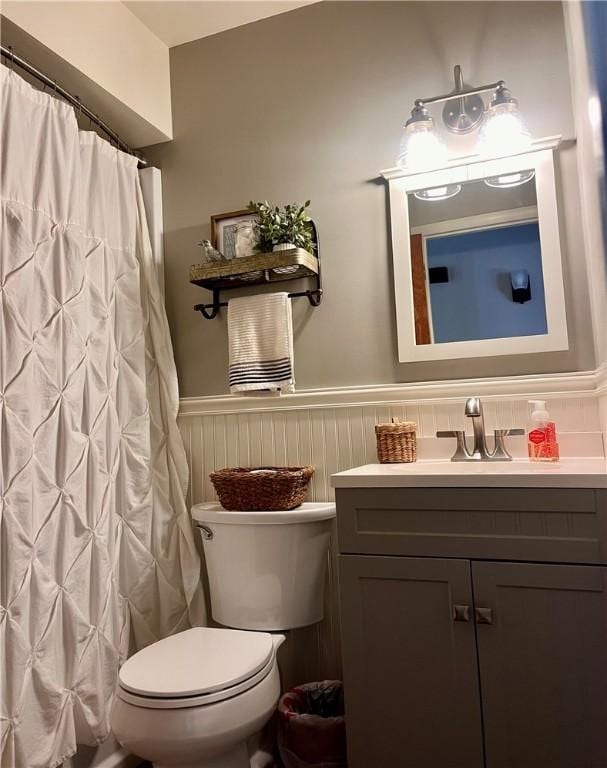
(309, 104)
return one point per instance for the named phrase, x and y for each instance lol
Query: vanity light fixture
(421, 148)
(503, 131)
(502, 128)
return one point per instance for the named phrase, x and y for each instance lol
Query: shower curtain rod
(14, 59)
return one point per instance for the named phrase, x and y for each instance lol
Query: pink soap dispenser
(542, 444)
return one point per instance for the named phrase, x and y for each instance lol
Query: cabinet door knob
(461, 613)
(484, 615)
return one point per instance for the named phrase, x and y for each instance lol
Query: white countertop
(520, 473)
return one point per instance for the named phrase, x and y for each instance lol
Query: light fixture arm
(463, 92)
(464, 108)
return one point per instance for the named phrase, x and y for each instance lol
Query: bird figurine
(211, 253)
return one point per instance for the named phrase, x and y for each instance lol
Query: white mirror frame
(540, 158)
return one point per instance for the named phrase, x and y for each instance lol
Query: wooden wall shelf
(259, 269)
(255, 270)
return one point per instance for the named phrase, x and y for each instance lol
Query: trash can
(311, 726)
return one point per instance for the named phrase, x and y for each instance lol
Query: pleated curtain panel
(98, 557)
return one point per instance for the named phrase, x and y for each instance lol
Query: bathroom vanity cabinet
(474, 626)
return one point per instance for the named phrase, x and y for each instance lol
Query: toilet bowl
(194, 699)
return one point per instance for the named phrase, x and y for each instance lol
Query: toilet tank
(266, 570)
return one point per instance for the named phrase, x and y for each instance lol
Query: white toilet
(193, 700)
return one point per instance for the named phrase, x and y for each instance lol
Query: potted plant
(283, 228)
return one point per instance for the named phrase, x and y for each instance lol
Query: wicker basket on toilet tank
(258, 488)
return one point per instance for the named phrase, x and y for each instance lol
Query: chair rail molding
(581, 384)
(601, 380)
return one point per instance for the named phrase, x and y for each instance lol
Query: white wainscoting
(334, 430)
(300, 429)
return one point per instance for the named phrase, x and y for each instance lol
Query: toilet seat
(151, 702)
(199, 666)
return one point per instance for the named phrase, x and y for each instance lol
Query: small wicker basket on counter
(396, 442)
(262, 488)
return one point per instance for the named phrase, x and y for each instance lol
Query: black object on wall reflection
(521, 286)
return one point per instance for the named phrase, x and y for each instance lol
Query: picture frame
(224, 228)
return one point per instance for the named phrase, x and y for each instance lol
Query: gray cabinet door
(410, 666)
(543, 664)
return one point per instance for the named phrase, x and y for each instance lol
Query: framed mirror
(477, 258)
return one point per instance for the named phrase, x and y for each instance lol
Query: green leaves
(290, 224)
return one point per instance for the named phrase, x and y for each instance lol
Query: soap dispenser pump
(542, 443)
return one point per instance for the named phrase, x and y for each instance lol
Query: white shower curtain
(97, 551)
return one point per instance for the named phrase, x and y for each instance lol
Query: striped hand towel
(260, 332)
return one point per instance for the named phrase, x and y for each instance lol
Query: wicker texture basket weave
(262, 488)
(396, 442)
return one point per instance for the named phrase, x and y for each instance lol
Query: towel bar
(314, 296)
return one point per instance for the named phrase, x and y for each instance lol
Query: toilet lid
(197, 661)
(308, 512)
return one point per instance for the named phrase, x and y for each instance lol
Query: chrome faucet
(474, 410)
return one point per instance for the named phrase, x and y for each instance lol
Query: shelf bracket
(315, 297)
(214, 307)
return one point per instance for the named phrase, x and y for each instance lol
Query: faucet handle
(501, 452)
(461, 451)
(512, 432)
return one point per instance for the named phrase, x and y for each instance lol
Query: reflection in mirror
(476, 260)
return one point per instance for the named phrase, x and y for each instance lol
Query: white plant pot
(283, 246)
